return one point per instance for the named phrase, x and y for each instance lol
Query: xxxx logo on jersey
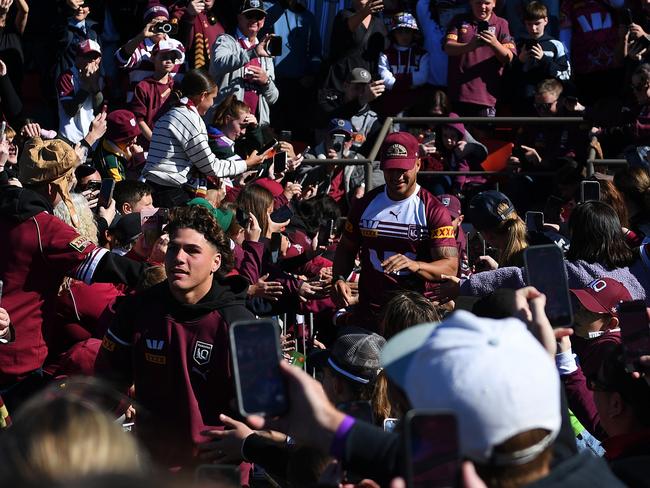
(446, 232)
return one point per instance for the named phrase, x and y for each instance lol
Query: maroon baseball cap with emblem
(602, 295)
(399, 151)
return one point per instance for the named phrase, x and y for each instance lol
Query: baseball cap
(452, 203)
(602, 295)
(171, 46)
(359, 75)
(404, 20)
(88, 46)
(121, 126)
(354, 355)
(399, 151)
(482, 210)
(252, 6)
(126, 228)
(341, 125)
(474, 367)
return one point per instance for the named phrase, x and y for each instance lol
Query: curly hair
(202, 221)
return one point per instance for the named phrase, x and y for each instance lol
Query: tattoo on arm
(444, 252)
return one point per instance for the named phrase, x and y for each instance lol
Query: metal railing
(388, 124)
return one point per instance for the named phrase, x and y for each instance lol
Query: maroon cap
(602, 295)
(88, 46)
(399, 151)
(121, 126)
(452, 203)
(271, 185)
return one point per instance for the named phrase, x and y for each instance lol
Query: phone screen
(390, 424)
(260, 386)
(635, 331)
(280, 162)
(475, 248)
(483, 25)
(432, 449)
(282, 214)
(267, 146)
(106, 192)
(589, 190)
(534, 221)
(325, 232)
(275, 46)
(242, 218)
(545, 270)
(337, 144)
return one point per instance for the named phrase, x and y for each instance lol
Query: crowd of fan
(215, 120)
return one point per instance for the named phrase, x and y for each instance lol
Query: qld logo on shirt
(202, 352)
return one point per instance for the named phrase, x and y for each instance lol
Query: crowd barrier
(387, 126)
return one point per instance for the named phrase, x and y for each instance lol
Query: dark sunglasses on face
(256, 16)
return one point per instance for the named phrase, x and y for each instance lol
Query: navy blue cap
(482, 210)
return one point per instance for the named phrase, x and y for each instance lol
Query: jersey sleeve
(351, 229)
(441, 231)
(505, 38)
(139, 102)
(66, 251)
(452, 31)
(65, 86)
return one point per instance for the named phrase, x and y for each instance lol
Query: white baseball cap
(493, 374)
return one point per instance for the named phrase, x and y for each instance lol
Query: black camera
(169, 28)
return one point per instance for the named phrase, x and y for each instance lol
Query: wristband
(337, 449)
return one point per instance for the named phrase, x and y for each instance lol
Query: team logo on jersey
(443, 232)
(80, 243)
(155, 344)
(202, 352)
(414, 232)
(396, 151)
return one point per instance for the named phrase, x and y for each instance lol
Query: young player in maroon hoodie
(172, 340)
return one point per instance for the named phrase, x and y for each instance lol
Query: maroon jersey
(475, 77)
(594, 35)
(382, 227)
(148, 98)
(37, 251)
(178, 357)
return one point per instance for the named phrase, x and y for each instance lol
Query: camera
(169, 28)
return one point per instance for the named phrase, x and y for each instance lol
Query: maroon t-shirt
(37, 254)
(149, 96)
(475, 77)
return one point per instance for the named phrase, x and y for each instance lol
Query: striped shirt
(180, 142)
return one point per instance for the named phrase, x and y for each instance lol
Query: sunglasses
(256, 16)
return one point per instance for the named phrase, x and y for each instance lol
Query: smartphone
(535, 221)
(3, 128)
(282, 214)
(325, 232)
(269, 145)
(305, 151)
(280, 162)
(360, 409)
(337, 144)
(225, 475)
(589, 190)
(483, 25)
(390, 424)
(106, 192)
(553, 209)
(242, 217)
(635, 332)
(276, 243)
(274, 47)
(286, 135)
(626, 17)
(476, 248)
(546, 271)
(432, 449)
(261, 389)
(529, 43)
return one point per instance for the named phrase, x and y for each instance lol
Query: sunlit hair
(513, 230)
(87, 226)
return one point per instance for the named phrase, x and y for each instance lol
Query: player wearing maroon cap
(172, 340)
(403, 232)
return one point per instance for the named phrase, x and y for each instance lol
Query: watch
(338, 278)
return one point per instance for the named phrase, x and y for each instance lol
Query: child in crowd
(151, 93)
(79, 91)
(479, 45)
(118, 149)
(540, 56)
(404, 66)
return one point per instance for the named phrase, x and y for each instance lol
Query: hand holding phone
(589, 191)
(106, 192)
(534, 221)
(260, 386)
(280, 162)
(274, 46)
(635, 332)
